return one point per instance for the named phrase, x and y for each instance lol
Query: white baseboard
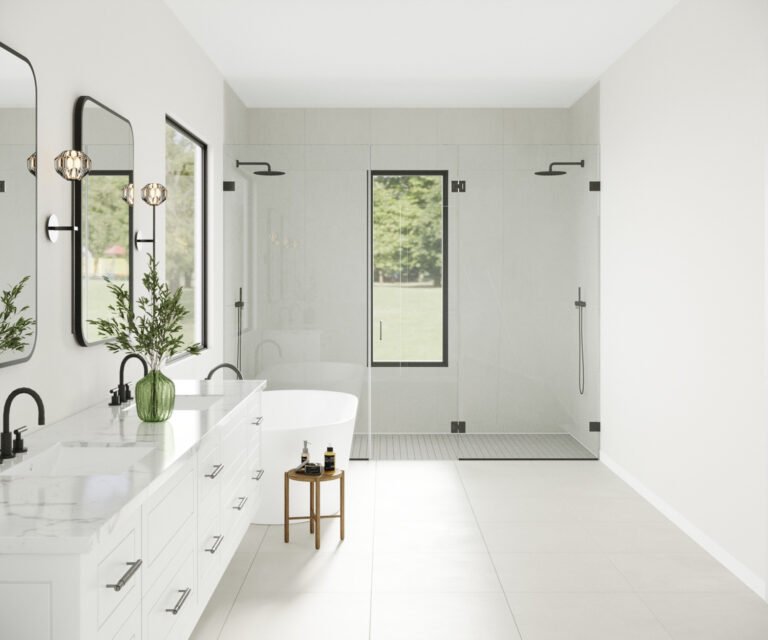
(736, 567)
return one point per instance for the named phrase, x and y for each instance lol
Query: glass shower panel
(525, 244)
(413, 382)
(306, 263)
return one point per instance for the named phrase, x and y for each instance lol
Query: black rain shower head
(550, 172)
(261, 172)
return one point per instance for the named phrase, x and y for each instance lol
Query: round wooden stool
(314, 500)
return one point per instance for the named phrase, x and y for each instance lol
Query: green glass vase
(155, 397)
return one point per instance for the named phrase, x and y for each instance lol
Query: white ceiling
(415, 53)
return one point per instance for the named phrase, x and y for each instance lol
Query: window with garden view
(408, 268)
(185, 220)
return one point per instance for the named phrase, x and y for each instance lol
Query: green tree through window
(408, 249)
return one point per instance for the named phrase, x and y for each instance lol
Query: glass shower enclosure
(435, 282)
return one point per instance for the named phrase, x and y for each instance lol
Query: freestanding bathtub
(291, 416)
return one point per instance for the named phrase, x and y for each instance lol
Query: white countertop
(69, 514)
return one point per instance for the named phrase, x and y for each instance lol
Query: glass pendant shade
(154, 193)
(128, 194)
(72, 165)
(32, 163)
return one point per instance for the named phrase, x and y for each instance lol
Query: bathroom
(553, 419)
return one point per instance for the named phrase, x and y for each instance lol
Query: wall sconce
(32, 163)
(73, 166)
(154, 194)
(128, 194)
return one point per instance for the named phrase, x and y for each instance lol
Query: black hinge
(458, 186)
(594, 426)
(594, 185)
(2, 186)
(458, 426)
(229, 185)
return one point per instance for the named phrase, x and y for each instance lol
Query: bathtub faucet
(258, 351)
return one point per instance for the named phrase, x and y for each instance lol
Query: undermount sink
(195, 403)
(74, 459)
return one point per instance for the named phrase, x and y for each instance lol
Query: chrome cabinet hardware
(216, 544)
(259, 473)
(216, 471)
(258, 420)
(134, 567)
(243, 500)
(184, 595)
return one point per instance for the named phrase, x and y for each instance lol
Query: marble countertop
(70, 514)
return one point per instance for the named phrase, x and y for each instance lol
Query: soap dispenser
(305, 453)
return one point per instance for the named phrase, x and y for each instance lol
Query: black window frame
(400, 172)
(173, 123)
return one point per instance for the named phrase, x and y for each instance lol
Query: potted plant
(155, 333)
(15, 327)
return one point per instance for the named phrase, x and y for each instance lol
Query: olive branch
(155, 332)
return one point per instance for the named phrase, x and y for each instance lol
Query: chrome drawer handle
(216, 471)
(216, 544)
(243, 500)
(259, 473)
(134, 567)
(184, 595)
(258, 420)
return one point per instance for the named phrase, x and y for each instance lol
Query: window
(185, 224)
(409, 289)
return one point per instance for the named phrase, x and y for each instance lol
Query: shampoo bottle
(330, 459)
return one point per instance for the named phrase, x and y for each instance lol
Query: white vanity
(115, 529)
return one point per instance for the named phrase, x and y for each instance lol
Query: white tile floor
(483, 551)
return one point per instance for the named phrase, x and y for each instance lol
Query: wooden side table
(314, 501)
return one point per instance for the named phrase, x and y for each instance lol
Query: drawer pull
(258, 420)
(216, 544)
(243, 500)
(134, 567)
(259, 473)
(184, 595)
(216, 471)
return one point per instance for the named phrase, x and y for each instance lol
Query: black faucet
(124, 390)
(225, 365)
(9, 449)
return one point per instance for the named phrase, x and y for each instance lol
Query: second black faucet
(123, 392)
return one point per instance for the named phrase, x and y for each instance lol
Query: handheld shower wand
(580, 305)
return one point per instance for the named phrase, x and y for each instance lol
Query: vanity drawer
(129, 629)
(165, 514)
(119, 575)
(234, 442)
(211, 546)
(210, 472)
(171, 601)
(238, 507)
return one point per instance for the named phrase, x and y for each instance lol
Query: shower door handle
(381, 330)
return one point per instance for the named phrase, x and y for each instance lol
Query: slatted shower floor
(490, 446)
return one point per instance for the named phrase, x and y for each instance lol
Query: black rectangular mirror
(18, 206)
(103, 213)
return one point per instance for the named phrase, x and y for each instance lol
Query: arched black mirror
(103, 213)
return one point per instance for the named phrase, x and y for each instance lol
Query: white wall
(683, 140)
(135, 58)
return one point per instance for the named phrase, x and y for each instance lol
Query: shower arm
(560, 164)
(238, 163)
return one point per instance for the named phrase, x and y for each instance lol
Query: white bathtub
(323, 418)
